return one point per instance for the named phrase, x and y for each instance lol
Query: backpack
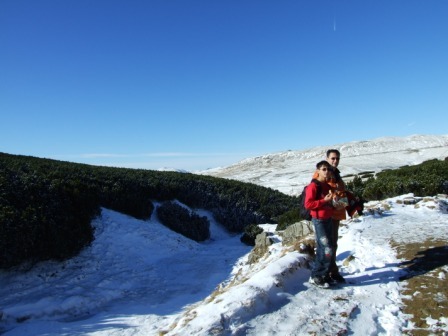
(303, 211)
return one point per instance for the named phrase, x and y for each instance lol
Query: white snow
(140, 278)
(290, 171)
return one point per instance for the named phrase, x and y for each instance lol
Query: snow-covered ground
(140, 278)
(290, 171)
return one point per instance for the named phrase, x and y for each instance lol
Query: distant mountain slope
(289, 171)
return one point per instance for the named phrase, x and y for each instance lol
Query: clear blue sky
(198, 84)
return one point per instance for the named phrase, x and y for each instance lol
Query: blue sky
(196, 84)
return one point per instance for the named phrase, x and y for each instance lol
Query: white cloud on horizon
(159, 160)
(145, 155)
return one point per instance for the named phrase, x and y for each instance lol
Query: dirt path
(426, 285)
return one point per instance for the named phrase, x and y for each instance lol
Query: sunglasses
(334, 158)
(324, 169)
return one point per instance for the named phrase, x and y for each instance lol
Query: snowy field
(139, 278)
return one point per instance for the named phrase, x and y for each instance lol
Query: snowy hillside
(289, 171)
(139, 278)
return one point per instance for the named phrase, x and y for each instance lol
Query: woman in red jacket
(318, 199)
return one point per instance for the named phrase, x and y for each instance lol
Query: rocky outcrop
(262, 243)
(297, 231)
(300, 236)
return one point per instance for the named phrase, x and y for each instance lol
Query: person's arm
(339, 181)
(310, 198)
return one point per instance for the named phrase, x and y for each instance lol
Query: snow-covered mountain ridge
(289, 171)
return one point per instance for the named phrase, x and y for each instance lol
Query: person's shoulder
(336, 171)
(337, 174)
(317, 184)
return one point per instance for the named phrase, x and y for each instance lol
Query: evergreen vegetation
(46, 206)
(290, 217)
(181, 220)
(250, 234)
(427, 178)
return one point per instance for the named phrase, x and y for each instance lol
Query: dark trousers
(323, 229)
(333, 267)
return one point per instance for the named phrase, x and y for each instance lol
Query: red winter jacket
(336, 183)
(315, 203)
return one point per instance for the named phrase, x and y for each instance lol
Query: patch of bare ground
(425, 286)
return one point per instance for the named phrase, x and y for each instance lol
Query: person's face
(324, 172)
(333, 159)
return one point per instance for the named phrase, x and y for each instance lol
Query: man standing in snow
(318, 199)
(336, 182)
(337, 185)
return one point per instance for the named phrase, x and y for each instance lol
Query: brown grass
(426, 284)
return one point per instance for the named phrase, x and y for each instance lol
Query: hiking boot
(337, 278)
(319, 282)
(329, 280)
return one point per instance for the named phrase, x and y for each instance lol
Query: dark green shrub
(42, 219)
(427, 178)
(290, 217)
(356, 186)
(367, 172)
(181, 220)
(250, 234)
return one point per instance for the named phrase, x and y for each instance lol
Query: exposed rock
(347, 260)
(301, 237)
(297, 231)
(443, 205)
(262, 243)
(409, 200)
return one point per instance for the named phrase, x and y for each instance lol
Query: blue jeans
(325, 252)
